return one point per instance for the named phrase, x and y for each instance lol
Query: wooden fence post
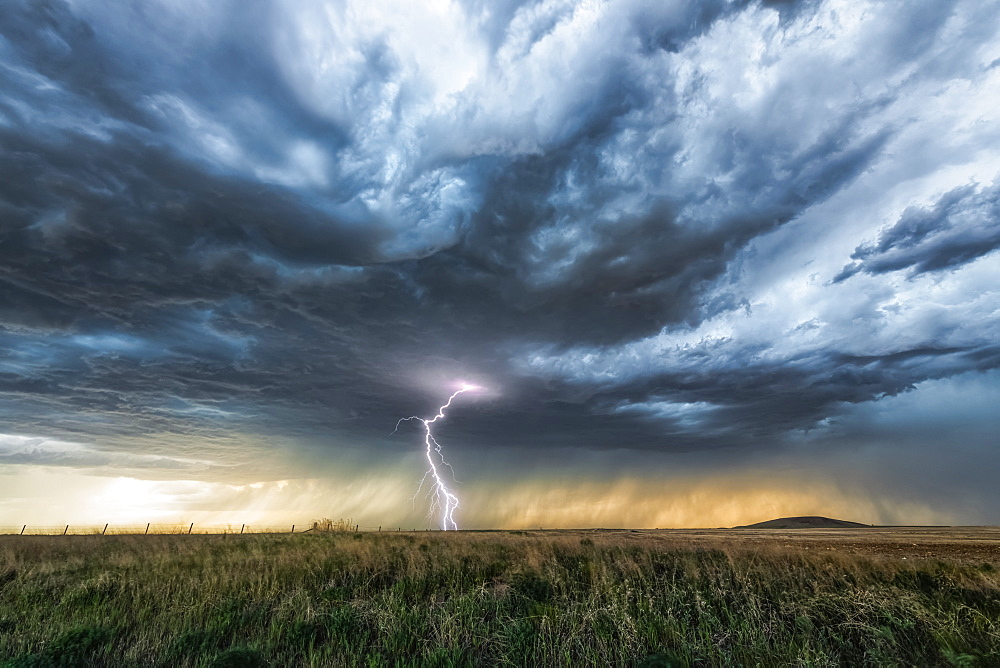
(147, 528)
(191, 528)
(66, 529)
(22, 530)
(105, 530)
(242, 528)
(380, 528)
(293, 529)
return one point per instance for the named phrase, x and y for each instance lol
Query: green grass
(480, 599)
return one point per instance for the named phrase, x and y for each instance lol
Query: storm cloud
(962, 226)
(233, 230)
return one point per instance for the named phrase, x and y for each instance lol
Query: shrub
(327, 525)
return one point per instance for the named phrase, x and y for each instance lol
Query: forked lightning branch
(442, 498)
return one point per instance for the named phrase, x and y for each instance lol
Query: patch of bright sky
(724, 499)
(30, 450)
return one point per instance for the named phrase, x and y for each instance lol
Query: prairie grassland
(501, 598)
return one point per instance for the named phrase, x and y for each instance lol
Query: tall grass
(339, 598)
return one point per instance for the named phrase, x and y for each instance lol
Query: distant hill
(804, 523)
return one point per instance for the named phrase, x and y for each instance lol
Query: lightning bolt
(441, 497)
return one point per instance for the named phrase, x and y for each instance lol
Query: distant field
(621, 598)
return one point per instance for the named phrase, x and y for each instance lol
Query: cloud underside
(677, 228)
(959, 228)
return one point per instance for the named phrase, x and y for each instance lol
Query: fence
(192, 528)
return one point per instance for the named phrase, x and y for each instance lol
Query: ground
(859, 597)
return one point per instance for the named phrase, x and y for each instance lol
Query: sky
(710, 261)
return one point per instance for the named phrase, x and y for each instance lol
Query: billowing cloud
(236, 232)
(962, 226)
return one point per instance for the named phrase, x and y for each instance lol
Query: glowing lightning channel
(443, 497)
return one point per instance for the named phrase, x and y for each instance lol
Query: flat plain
(810, 597)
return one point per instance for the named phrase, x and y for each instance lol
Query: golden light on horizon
(386, 499)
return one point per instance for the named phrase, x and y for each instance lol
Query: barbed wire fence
(194, 528)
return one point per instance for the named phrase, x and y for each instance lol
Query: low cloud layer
(238, 232)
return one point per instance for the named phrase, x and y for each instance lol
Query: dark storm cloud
(961, 226)
(242, 219)
(756, 401)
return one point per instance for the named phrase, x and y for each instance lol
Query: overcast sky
(713, 261)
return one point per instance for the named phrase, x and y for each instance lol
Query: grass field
(855, 597)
